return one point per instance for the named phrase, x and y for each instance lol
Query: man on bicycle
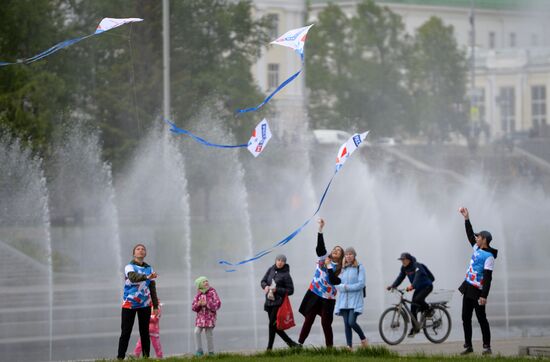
(476, 285)
(421, 280)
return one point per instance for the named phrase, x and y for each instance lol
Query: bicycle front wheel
(438, 327)
(393, 326)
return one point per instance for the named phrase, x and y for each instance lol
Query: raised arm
(321, 250)
(469, 229)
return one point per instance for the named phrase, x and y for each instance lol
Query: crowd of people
(337, 288)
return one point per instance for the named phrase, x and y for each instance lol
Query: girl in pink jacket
(205, 304)
(154, 334)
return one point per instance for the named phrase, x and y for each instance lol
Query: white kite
(348, 148)
(105, 25)
(294, 39)
(260, 137)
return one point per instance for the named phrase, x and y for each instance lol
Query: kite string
(282, 242)
(133, 76)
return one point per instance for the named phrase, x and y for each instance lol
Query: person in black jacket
(276, 283)
(476, 285)
(320, 297)
(421, 279)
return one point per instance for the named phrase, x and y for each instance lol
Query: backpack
(364, 288)
(428, 273)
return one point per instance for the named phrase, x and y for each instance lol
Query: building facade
(278, 63)
(509, 87)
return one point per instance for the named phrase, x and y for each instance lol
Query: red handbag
(285, 317)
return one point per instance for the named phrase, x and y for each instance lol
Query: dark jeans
(325, 308)
(468, 306)
(419, 300)
(128, 317)
(350, 321)
(272, 314)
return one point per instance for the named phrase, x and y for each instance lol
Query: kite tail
(268, 98)
(282, 242)
(49, 51)
(198, 139)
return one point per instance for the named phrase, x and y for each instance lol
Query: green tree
(114, 80)
(32, 98)
(354, 69)
(437, 80)
(213, 44)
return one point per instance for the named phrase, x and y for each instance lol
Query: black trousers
(324, 308)
(419, 300)
(468, 307)
(128, 317)
(272, 314)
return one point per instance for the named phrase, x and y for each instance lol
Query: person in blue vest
(139, 293)
(476, 285)
(421, 279)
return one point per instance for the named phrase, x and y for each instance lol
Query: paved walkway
(504, 347)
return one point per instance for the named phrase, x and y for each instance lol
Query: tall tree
(32, 98)
(355, 69)
(437, 80)
(114, 80)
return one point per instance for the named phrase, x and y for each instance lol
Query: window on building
(478, 105)
(512, 40)
(538, 106)
(274, 30)
(534, 40)
(272, 75)
(507, 104)
(492, 40)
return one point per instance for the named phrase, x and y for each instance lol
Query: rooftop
(511, 5)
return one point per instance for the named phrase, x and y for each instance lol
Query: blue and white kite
(259, 139)
(295, 39)
(105, 25)
(344, 153)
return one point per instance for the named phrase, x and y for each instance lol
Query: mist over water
(192, 206)
(153, 204)
(82, 197)
(25, 243)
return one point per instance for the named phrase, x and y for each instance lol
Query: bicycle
(435, 322)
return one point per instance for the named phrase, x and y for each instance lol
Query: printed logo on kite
(293, 36)
(257, 144)
(357, 140)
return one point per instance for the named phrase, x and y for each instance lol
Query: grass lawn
(375, 354)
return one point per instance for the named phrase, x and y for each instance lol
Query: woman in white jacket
(349, 302)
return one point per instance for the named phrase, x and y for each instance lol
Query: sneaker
(468, 350)
(293, 344)
(412, 333)
(486, 350)
(210, 353)
(199, 353)
(364, 343)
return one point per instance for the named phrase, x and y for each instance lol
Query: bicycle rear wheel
(438, 327)
(393, 326)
